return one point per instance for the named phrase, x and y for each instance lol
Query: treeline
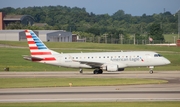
(78, 20)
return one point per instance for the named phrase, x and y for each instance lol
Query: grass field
(170, 37)
(64, 82)
(12, 57)
(93, 104)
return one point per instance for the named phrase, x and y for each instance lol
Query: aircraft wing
(91, 63)
(95, 64)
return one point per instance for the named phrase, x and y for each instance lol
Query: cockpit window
(157, 55)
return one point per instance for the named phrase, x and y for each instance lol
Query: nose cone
(167, 61)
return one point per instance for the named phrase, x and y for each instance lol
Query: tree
(118, 15)
(77, 19)
(16, 25)
(156, 33)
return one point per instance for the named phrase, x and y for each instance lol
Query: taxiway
(151, 92)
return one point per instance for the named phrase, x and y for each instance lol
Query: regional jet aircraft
(108, 61)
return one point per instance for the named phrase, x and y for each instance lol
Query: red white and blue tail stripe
(39, 51)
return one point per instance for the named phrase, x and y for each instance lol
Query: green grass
(170, 37)
(91, 46)
(12, 57)
(93, 104)
(64, 82)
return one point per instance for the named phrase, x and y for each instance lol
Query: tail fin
(38, 50)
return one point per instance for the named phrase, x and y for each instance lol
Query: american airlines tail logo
(33, 41)
(38, 49)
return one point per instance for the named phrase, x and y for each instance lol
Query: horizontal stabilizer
(30, 58)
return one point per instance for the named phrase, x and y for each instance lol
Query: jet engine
(113, 68)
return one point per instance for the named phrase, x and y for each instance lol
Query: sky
(133, 7)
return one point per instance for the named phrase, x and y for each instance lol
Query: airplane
(100, 61)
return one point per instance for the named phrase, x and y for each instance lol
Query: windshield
(157, 55)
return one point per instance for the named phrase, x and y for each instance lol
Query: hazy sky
(133, 7)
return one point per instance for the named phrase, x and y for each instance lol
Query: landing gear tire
(95, 72)
(81, 71)
(151, 71)
(98, 71)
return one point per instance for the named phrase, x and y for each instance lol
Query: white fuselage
(109, 61)
(122, 59)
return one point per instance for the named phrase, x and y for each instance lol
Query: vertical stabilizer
(38, 50)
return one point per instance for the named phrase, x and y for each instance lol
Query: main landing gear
(98, 71)
(151, 69)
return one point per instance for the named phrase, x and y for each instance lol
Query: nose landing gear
(151, 69)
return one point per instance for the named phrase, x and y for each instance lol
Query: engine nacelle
(112, 67)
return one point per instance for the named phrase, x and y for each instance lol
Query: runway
(151, 92)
